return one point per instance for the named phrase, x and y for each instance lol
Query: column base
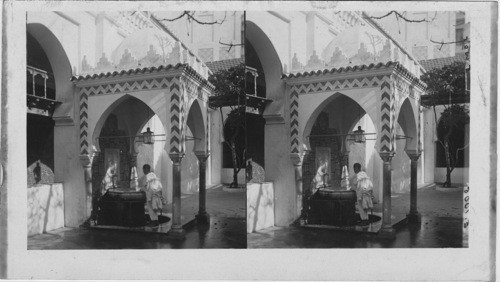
(387, 233)
(414, 217)
(177, 233)
(203, 218)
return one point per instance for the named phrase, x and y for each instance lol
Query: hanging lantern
(359, 135)
(148, 137)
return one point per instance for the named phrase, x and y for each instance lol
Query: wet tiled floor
(221, 233)
(441, 227)
(433, 232)
(227, 229)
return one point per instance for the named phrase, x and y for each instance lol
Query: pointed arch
(351, 117)
(60, 64)
(195, 121)
(136, 107)
(408, 121)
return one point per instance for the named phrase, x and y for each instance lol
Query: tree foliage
(443, 86)
(230, 92)
(447, 81)
(229, 83)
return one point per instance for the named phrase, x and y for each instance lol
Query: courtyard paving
(441, 227)
(227, 229)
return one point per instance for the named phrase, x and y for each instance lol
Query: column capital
(386, 156)
(297, 158)
(414, 155)
(176, 157)
(202, 155)
(86, 160)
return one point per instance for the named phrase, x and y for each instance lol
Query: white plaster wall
(400, 167)
(79, 35)
(429, 149)
(69, 172)
(298, 37)
(418, 34)
(260, 206)
(88, 39)
(214, 163)
(322, 34)
(197, 36)
(278, 30)
(189, 168)
(111, 38)
(45, 208)
(280, 171)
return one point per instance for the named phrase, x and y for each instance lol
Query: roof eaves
(129, 72)
(371, 66)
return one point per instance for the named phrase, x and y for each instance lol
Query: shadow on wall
(401, 170)
(45, 208)
(189, 171)
(260, 206)
(160, 169)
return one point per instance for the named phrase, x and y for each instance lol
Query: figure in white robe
(363, 186)
(154, 198)
(108, 182)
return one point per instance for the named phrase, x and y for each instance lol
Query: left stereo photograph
(136, 130)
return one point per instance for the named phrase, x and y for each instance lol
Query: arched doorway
(51, 136)
(254, 122)
(407, 154)
(331, 145)
(48, 73)
(118, 141)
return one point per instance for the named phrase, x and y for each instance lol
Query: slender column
(297, 161)
(176, 231)
(96, 191)
(414, 216)
(86, 162)
(202, 216)
(387, 231)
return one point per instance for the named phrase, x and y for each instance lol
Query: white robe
(153, 187)
(107, 181)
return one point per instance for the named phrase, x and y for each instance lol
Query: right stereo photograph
(357, 129)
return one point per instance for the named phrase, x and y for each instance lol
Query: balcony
(255, 89)
(253, 97)
(40, 91)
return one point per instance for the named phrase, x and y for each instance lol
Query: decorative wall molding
(335, 84)
(388, 116)
(294, 119)
(84, 145)
(393, 90)
(315, 87)
(130, 86)
(175, 118)
(181, 83)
